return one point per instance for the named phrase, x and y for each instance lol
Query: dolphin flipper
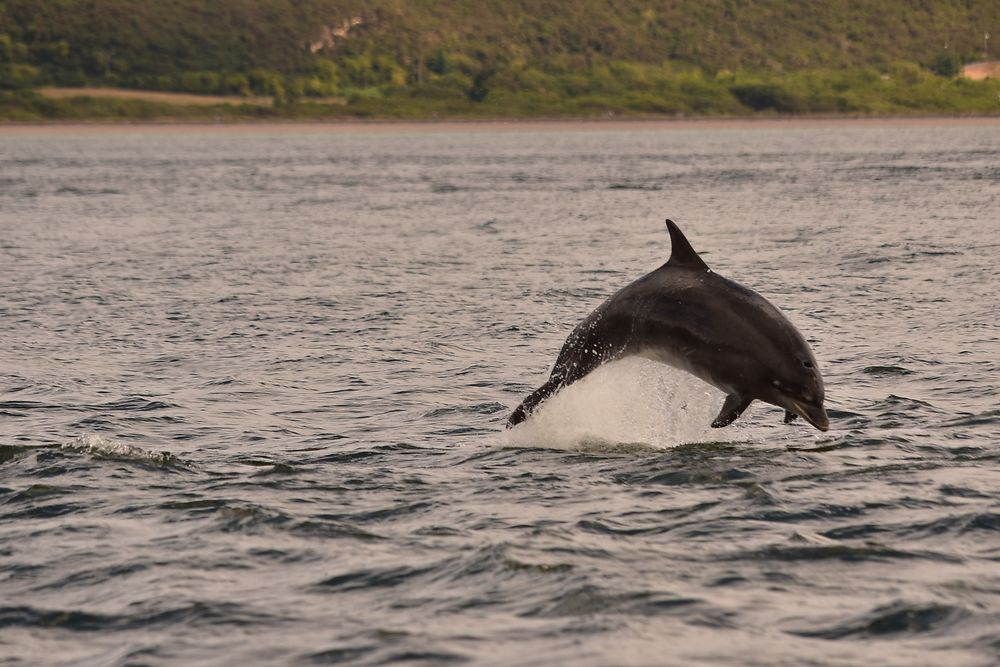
(731, 409)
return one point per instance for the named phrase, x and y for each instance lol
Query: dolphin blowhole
(685, 315)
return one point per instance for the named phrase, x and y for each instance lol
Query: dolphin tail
(528, 405)
(574, 363)
(582, 352)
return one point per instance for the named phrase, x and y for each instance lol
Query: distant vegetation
(497, 58)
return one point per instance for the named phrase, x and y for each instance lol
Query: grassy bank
(487, 59)
(617, 90)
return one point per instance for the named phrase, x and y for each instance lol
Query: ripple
(369, 578)
(588, 600)
(488, 408)
(887, 371)
(981, 419)
(13, 452)
(257, 413)
(213, 614)
(891, 621)
(841, 552)
(132, 403)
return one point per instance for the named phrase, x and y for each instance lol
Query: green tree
(946, 64)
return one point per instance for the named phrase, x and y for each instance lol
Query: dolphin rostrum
(685, 315)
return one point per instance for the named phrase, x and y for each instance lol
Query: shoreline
(499, 124)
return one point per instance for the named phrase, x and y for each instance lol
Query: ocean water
(253, 386)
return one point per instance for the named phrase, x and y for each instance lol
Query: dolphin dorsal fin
(681, 252)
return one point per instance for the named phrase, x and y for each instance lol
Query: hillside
(510, 57)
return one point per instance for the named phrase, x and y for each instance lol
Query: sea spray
(106, 448)
(629, 402)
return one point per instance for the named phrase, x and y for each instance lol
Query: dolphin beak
(815, 415)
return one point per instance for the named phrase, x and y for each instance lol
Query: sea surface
(254, 381)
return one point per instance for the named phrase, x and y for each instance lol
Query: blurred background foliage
(426, 58)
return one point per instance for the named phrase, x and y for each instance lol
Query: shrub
(946, 64)
(236, 84)
(451, 85)
(16, 77)
(200, 82)
(479, 90)
(765, 96)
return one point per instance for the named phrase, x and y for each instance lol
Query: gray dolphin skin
(685, 315)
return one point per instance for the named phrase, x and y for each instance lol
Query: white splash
(96, 446)
(628, 402)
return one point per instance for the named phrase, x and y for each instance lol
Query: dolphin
(685, 315)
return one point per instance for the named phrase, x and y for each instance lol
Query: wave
(870, 551)
(899, 618)
(197, 612)
(102, 448)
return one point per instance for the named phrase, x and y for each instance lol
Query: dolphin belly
(677, 359)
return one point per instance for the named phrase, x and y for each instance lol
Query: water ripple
(255, 382)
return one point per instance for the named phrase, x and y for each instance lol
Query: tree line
(688, 56)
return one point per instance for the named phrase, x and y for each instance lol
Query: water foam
(98, 447)
(626, 404)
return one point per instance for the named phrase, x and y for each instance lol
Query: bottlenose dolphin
(685, 315)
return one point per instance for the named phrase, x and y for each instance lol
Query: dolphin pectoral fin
(790, 417)
(731, 409)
